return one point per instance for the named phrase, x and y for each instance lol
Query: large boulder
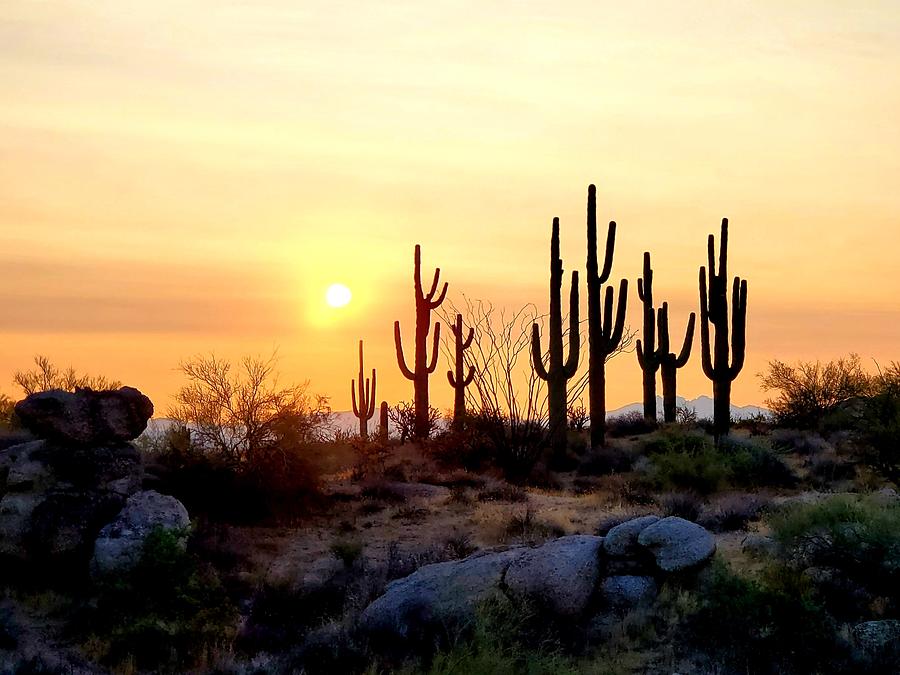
(877, 638)
(621, 541)
(561, 575)
(86, 417)
(678, 544)
(627, 591)
(436, 600)
(120, 543)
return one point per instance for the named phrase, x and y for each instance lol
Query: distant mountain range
(344, 420)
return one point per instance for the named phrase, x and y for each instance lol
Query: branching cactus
(383, 422)
(422, 367)
(558, 371)
(721, 364)
(648, 354)
(604, 334)
(670, 362)
(458, 380)
(364, 401)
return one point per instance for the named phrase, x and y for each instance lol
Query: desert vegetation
(247, 530)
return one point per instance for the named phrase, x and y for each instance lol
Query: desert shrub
(802, 442)
(348, 551)
(731, 512)
(757, 424)
(701, 471)
(879, 426)
(603, 461)
(751, 465)
(629, 424)
(403, 418)
(503, 493)
(686, 417)
(826, 469)
(383, 492)
(371, 456)
(859, 536)
(770, 624)
(168, 612)
(527, 529)
(808, 392)
(45, 376)
(685, 505)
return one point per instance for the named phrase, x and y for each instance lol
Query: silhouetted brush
(670, 363)
(422, 368)
(604, 335)
(648, 355)
(557, 372)
(714, 311)
(364, 402)
(457, 380)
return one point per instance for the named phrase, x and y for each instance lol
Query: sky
(189, 177)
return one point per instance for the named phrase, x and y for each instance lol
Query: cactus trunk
(425, 304)
(383, 422)
(649, 357)
(604, 336)
(670, 363)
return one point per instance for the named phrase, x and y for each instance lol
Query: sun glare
(338, 295)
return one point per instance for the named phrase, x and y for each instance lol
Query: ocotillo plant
(457, 380)
(670, 363)
(422, 368)
(649, 356)
(603, 335)
(364, 402)
(557, 372)
(383, 422)
(714, 310)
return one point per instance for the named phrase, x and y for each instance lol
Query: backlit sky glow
(180, 177)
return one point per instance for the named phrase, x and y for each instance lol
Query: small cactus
(364, 401)
(383, 422)
(648, 355)
(670, 363)
(458, 381)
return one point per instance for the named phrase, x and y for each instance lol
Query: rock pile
(58, 492)
(570, 577)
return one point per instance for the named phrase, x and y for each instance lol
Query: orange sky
(177, 180)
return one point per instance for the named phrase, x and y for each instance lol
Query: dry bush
(45, 376)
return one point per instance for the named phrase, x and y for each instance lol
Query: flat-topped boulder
(678, 544)
(86, 417)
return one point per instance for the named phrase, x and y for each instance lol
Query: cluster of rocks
(73, 493)
(571, 577)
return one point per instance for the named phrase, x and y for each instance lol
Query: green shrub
(168, 612)
(702, 472)
(751, 465)
(347, 551)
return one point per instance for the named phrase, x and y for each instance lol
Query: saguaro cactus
(457, 380)
(422, 368)
(364, 402)
(670, 363)
(383, 422)
(714, 310)
(557, 372)
(604, 336)
(648, 355)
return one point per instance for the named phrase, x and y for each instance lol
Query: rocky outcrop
(627, 591)
(560, 575)
(622, 540)
(437, 599)
(86, 417)
(119, 545)
(678, 544)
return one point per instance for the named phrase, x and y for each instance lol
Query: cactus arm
(468, 341)
(451, 379)
(371, 397)
(620, 314)
(401, 361)
(711, 254)
(537, 358)
(435, 303)
(571, 365)
(469, 377)
(641, 289)
(417, 270)
(606, 328)
(738, 327)
(723, 250)
(610, 251)
(434, 348)
(662, 320)
(592, 276)
(706, 355)
(685, 354)
(640, 354)
(353, 397)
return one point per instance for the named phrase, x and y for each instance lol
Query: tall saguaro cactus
(649, 356)
(669, 362)
(714, 311)
(364, 402)
(422, 367)
(558, 371)
(604, 336)
(458, 381)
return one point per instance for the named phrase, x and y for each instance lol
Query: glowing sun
(338, 295)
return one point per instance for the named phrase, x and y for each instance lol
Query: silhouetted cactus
(648, 355)
(714, 310)
(557, 372)
(604, 335)
(670, 363)
(383, 422)
(457, 380)
(364, 402)
(425, 303)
